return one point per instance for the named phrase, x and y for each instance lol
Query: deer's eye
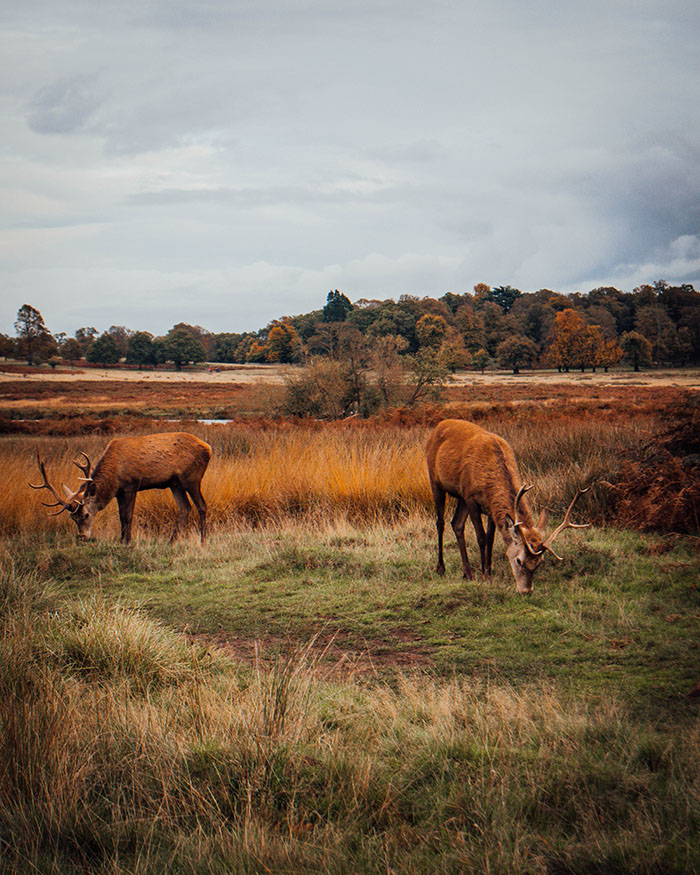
(519, 561)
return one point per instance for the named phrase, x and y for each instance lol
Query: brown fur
(479, 469)
(172, 460)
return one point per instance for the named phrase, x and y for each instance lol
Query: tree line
(655, 324)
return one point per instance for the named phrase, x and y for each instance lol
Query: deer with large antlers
(175, 461)
(479, 469)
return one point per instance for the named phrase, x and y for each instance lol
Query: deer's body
(173, 460)
(478, 468)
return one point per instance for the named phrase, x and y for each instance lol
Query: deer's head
(80, 505)
(527, 546)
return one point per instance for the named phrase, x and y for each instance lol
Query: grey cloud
(64, 106)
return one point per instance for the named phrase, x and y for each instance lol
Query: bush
(659, 490)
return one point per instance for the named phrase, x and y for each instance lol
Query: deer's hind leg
(439, 496)
(490, 533)
(484, 538)
(126, 499)
(198, 499)
(183, 507)
(458, 522)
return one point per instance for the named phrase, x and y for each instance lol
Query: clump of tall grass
(275, 769)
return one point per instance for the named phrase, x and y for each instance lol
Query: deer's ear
(510, 527)
(542, 520)
(66, 491)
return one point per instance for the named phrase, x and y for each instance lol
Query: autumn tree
(256, 351)
(282, 343)
(452, 353)
(516, 351)
(609, 354)
(569, 343)
(430, 331)
(470, 325)
(326, 339)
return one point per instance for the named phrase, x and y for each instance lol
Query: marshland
(305, 693)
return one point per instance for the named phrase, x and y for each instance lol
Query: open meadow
(304, 693)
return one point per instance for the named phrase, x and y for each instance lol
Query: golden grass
(270, 472)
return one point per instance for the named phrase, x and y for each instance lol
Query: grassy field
(305, 694)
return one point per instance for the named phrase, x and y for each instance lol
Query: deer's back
(154, 458)
(465, 459)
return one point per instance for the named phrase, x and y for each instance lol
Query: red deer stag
(175, 461)
(479, 469)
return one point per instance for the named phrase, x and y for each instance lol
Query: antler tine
(523, 489)
(565, 523)
(86, 468)
(64, 505)
(518, 524)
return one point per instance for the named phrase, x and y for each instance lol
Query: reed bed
(365, 474)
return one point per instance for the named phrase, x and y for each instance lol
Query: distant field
(270, 374)
(259, 392)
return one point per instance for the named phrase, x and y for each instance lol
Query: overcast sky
(227, 162)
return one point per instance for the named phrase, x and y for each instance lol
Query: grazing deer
(175, 461)
(479, 469)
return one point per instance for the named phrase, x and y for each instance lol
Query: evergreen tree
(337, 307)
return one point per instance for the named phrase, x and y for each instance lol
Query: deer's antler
(86, 468)
(565, 524)
(60, 502)
(518, 525)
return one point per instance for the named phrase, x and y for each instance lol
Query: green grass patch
(314, 698)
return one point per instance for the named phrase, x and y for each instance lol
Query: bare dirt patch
(335, 654)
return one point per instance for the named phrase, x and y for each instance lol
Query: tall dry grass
(364, 474)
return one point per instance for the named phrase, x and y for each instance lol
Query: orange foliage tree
(568, 338)
(282, 343)
(574, 344)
